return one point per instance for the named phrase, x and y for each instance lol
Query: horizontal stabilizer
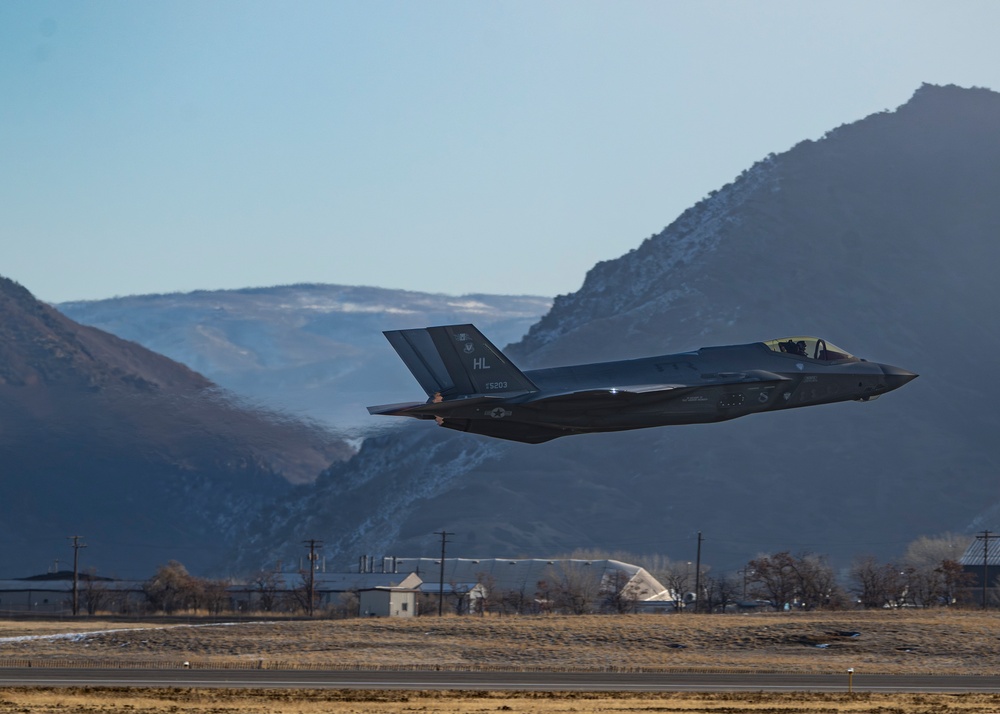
(429, 410)
(394, 409)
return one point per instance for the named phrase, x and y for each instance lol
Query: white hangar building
(524, 575)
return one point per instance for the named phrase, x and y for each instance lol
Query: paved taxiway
(538, 681)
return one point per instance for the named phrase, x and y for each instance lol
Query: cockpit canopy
(811, 347)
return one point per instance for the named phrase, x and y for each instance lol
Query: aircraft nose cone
(896, 377)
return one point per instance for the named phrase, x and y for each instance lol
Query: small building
(386, 601)
(395, 599)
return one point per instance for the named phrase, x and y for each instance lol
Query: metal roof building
(974, 553)
(525, 575)
(972, 560)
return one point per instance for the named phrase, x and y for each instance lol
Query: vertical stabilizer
(457, 360)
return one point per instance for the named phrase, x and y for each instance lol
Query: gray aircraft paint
(473, 387)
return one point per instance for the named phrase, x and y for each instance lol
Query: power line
(312, 544)
(985, 538)
(697, 577)
(444, 539)
(76, 572)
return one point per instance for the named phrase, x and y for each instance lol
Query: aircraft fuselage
(476, 389)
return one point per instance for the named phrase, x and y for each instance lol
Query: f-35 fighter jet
(471, 386)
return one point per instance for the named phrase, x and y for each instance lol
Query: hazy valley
(314, 351)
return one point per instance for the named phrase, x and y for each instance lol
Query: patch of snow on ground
(81, 636)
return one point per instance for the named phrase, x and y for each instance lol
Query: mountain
(882, 236)
(102, 438)
(311, 350)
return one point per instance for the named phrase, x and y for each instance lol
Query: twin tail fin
(456, 361)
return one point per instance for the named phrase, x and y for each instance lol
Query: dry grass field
(941, 642)
(934, 641)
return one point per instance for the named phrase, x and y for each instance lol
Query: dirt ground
(24, 700)
(934, 641)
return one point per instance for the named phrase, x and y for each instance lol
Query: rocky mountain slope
(311, 350)
(102, 438)
(881, 237)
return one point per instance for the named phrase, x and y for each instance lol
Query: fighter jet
(471, 386)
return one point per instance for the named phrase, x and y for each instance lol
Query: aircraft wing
(608, 397)
(750, 376)
(632, 389)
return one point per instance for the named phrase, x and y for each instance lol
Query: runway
(497, 681)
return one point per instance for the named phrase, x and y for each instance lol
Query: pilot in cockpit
(794, 348)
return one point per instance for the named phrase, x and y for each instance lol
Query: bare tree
(215, 596)
(196, 593)
(545, 595)
(817, 585)
(875, 584)
(575, 587)
(954, 581)
(458, 596)
(519, 601)
(677, 578)
(427, 603)
(118, 601)
(171, 589)
(267, 584)
(618, 593)
(720, 592)
(930, 565)
(349, 604)
(928, 552)
(921, 587)
(298, 598)
(914, 583)
(773, 578)
(95, 592)
(783, 579)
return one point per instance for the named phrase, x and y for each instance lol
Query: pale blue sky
(449, 147)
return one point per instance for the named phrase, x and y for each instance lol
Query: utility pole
(76, 572)
(985, 538)
(697, 578)
(444, 539)
(312, 544)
